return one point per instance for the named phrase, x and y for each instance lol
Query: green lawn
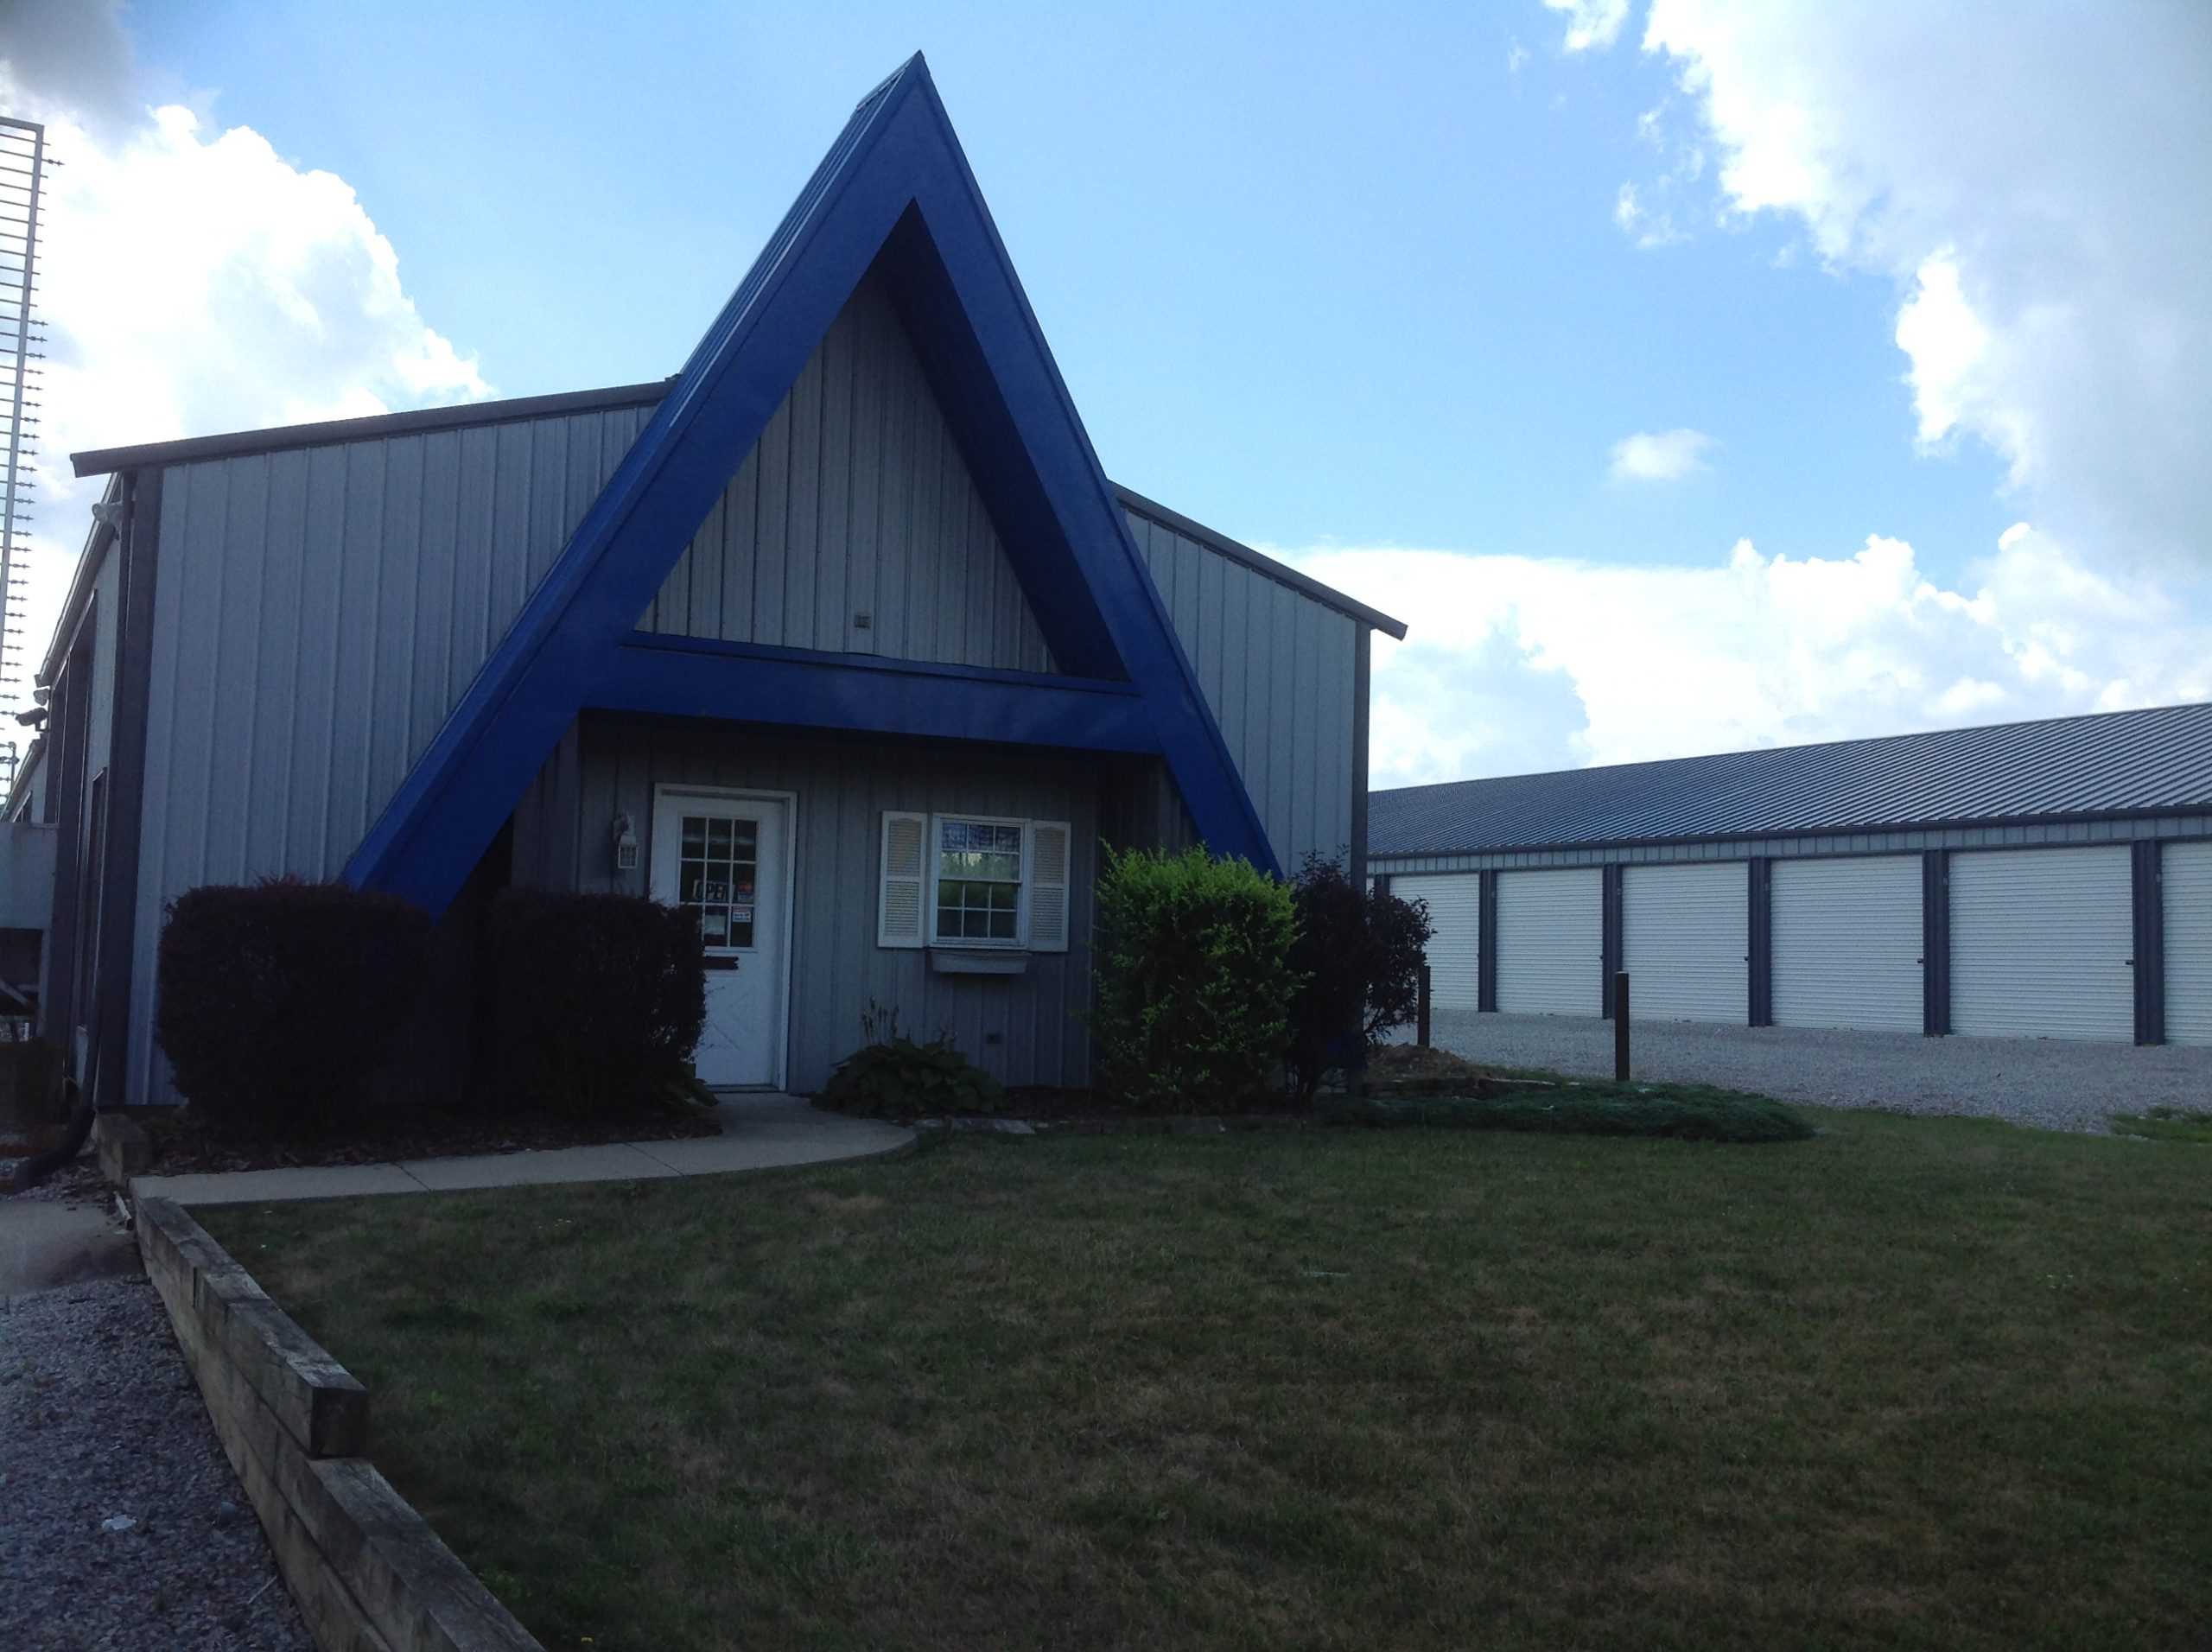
(1928, 1383)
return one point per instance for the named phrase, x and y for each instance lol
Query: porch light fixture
(626, 844)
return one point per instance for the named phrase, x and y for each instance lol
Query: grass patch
(2166, 1124)
(1913, 1382)
(1678, 1112)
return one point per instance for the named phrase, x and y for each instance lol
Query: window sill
(979, 961)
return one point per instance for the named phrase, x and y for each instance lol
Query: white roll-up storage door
(1847, 943)
(1455, 912)
(1685, 932)
(1550, 942)
(2186, 875)
(2041, 941)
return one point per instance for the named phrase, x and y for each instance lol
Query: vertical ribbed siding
(1455, 944)
(318, 613)
(2186, 884)
(1550, 942)
(844, 788)
(1685, 935)
(1277, 670)
(2040, 943)
(1847, 939)
(856, 500)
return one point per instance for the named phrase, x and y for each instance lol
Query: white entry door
(726, 856)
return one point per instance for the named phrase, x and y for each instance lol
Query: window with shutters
(973, 880)
(978, 881)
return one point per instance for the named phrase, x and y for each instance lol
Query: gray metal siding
(1278, 669)
(318, 613)
(856, 500)
(609, 765)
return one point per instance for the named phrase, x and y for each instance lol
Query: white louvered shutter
(901, 906)
(1048, 885)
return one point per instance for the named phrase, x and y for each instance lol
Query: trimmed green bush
(895, 1077)
(1194, 983)
(595, 1002)
(1359, 952)
(1679, 1112)
(279, 1001)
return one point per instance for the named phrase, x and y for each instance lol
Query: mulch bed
(183, 1144)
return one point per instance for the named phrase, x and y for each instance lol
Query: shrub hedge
(279, 1001)
(594, 1002)
(1359, 954)
(1194, 983)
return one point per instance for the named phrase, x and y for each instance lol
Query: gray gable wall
(856, 502)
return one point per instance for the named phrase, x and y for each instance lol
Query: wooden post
(1421, 1009)
(1620, 1027)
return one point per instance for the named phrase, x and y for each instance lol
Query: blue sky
(1364, 288)
(1307, 297)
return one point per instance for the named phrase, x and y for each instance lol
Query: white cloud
(1516, 663)
(1661, 456)
(1590, 23)
(2037, 192)
(195, 281)
(1647, 226)
(1517, 58)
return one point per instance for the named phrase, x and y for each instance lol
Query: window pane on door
(718, 876)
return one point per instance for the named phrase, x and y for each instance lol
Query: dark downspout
(126, 791)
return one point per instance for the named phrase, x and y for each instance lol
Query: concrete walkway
(758, 1132)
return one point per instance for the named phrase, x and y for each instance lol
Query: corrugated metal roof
(2118, 762)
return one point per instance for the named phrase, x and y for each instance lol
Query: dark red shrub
(279, 1001)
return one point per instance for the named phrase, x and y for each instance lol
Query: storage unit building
(2049, 879)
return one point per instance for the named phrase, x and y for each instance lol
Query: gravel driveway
(99, 1419)
(2059, 1083)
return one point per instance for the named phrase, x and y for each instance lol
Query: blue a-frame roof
(894, 194)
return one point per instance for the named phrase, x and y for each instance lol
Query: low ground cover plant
(2166, 1124)
(895, 1076)
(1194, 983)
(280, 1001)
(1674, 1112)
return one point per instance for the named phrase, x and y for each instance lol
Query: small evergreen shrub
(594, 1002)
(894, 1077)
(279, 1002)
(1194, 983)
(1359, 952)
